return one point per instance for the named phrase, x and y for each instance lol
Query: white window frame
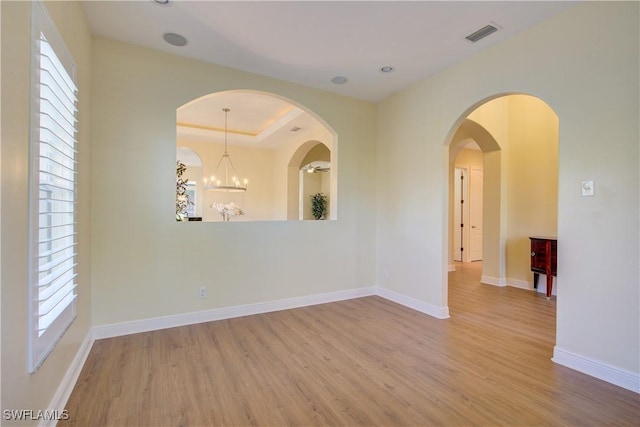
(52, 189)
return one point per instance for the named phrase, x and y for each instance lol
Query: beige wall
(584, 64)
(532, 180)
(21, 390)
(146, 265)
(469, 159)
(1, 405)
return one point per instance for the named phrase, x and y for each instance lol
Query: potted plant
(182, 198)
(318, 205)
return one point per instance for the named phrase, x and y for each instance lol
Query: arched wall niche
(265, 135)
(518, 135)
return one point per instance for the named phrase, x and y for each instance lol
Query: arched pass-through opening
(260, 133)
(518, 137)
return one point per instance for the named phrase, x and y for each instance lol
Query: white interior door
(459, 214)
(475, 215)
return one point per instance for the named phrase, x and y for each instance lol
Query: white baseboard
(594, 368)
(542, 285)
(520, 284)
(452, 267)
(68, 382)
(172, 321)
(415, 304)
(517, 283)
(495, 281)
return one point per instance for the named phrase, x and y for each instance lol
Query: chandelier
(225, 177)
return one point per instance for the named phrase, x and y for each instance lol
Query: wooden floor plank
(365, 361)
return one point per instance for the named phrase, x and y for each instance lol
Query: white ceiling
(310, 42)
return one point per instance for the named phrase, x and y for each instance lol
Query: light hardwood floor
(360, 362)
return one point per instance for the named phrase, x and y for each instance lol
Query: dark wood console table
(544, 259)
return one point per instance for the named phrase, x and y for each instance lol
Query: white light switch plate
(588, 188)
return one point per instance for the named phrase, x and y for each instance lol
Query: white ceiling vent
(482, 33)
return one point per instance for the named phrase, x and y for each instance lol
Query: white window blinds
(53, 189)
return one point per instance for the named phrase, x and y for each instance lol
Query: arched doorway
(310, 172)
(518, 138)
(490, 159)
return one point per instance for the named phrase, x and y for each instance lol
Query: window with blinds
(53, 189)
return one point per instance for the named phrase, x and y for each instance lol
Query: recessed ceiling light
(161, 2)
(174, 39)
(387, 69)
(339, 80)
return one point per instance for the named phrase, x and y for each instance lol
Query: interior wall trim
(495, 281)
(415, 304)
(521, 284)
(172, 321)
(542, 285)
(597, 369)
(60, 398)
